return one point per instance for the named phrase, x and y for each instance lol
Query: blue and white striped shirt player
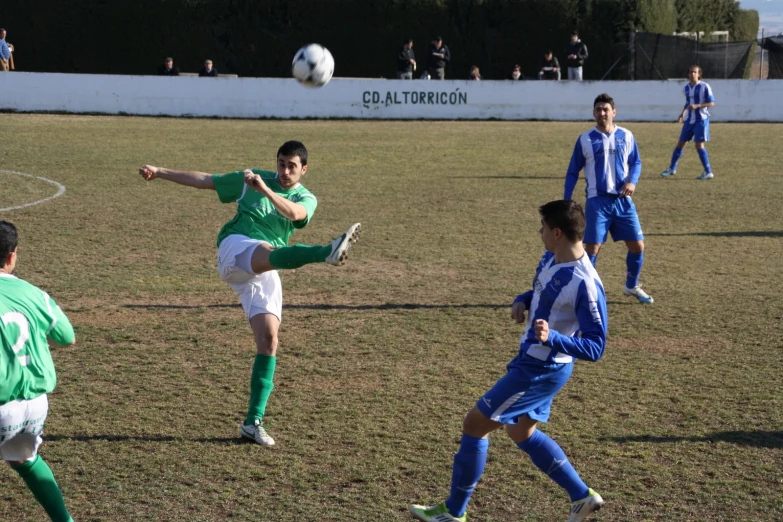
(697, 94)
(571, 298)
(609, 160)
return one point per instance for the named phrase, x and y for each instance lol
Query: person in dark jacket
(406, 61)
(168, 68)
(577, 53)
(208, 70)
(550, 67)
(516, 73)
(438, 58)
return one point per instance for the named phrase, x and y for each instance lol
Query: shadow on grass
(507, 177)
(759, 439)
(749, 233)
(228, 441)
(387, 306)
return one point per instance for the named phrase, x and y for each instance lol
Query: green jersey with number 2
(27, 317)
(256, 217)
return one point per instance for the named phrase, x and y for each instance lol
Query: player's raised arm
(189, 178)
(572, 175)
(291, 210)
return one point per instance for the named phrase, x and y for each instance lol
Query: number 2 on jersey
(20, 320)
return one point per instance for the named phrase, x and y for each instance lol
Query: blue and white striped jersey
(699, 93)
(570, 297)
(609, 160)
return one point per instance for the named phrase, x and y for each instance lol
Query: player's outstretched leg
(672, 170)
(295, 256)
(40, 480)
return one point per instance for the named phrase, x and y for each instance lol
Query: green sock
(298, 255)
(261, 385)
(40, 480)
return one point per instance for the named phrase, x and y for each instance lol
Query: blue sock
(593, 258)
(634, 264)
(675, 158)
(705, 159)
(549, 457)
(469, 464)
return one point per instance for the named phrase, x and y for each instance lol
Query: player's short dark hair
(293, 148)
(567, 215)
(604, 98)
(9, 237)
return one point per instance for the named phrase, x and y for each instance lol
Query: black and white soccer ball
(313, 65)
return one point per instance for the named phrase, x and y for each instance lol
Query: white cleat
(257, 433)
(341, 245)
(582, 508)
(638, 293)
(668, 172)
(706, 175)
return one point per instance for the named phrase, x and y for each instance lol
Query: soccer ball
(313, 65)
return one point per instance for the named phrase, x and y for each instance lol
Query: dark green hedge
(259, 38)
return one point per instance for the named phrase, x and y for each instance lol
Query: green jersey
(257, 217)
(27, 317)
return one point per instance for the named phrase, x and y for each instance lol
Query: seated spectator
(516, 73)
(550, 68)
(168, 68)
(208, 70)
(475, 74)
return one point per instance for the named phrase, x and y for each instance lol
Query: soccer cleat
(581, 508)
(257, 433)
(638, 293)
(706, 175)
(341, 245)
(668, 172)
(439, 513)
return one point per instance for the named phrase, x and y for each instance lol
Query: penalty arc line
(60, 190)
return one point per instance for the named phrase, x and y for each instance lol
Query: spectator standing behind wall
(168, 68)
(577, 53)
(3, 34)
(406, 61)
(438, 58)
(5, 53)
(550, 67)
(208, 70)
(475, 74)
(516, 73)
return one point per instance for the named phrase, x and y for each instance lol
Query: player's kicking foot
(341, 245)
(706, 175)
(439, 513)
(257, 433)
(581, 508)
(668, 172)
(638, 293)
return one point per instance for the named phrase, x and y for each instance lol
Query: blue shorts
(699, 132)
(613, 214)
(524, 390)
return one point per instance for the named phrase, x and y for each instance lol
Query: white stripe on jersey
(699, 93)
(613, 150)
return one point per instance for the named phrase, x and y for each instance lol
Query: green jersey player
(29, 318)
(253, 246)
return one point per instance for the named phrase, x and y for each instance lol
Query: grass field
(380, 359)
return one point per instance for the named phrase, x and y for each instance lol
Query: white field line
(60, 190)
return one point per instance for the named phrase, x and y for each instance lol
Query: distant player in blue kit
(567, 321)
(610, 158)
(695, 119)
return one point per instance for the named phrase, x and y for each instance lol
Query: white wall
(737, 100)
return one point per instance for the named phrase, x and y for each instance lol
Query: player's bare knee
(15, 463)
(635, 247)
(592, 248)
(266, 343)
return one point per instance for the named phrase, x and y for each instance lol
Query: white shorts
(21, 425)
(258, 293)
